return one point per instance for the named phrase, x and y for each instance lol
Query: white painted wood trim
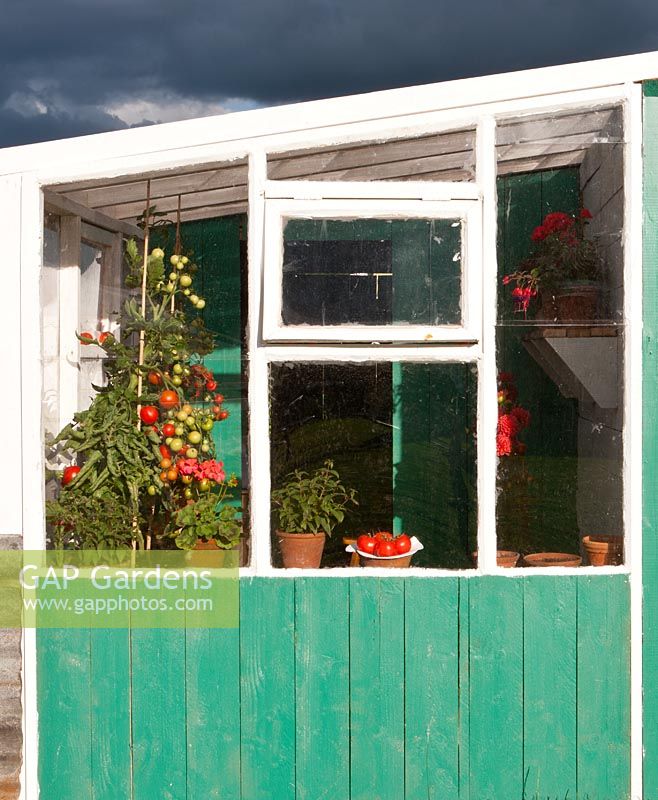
(258, 386)
(10, 492)
(69, 316)
(426, 572)
(278, 211)
(361, 190)
(449, 354)
(86, 162)
(488, 369)
(632, 447)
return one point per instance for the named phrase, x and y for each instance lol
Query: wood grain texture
(267, 680)
(158, 714)
(649, 443)
(63, 681)
(496, 688)
(322, 691)
(111, 757)
(212, 701)
(431, 689)
(549, 686)
(604, 687)
(377, 688)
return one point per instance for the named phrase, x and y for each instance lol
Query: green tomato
(181, 415)
(177, 380)
(169, 287)
(207, 424)
(187, 494)
(194, 437)
(177, 369)
(176, 444)
(191, 452)
(205, 448)
(168, 440)
(185, 260)
(173, 276)
(194, 299)
(201, 304)
(187, 292)
(185, 280)
(190, 422)
(157, 252)
(174, 260)
(179, 430)
(204, 485)
(152, 490)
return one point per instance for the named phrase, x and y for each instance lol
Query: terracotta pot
(504, 558)
(604, 551)
(223, 558)
(552, 560)
(573, 301)
(302, 550)
(402, 561)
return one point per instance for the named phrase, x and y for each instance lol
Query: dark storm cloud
(64, 64)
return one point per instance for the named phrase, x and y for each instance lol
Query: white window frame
(279, 211)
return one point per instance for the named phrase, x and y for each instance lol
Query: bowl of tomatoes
(383, 549)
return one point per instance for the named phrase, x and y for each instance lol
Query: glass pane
(372, 272)
(400, 434)
(445, 156)
(561, 339)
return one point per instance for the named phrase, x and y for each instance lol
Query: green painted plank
(463, 730)
(649, 446)
(431, 689)
(110, 713)
(63, 673)
(212, 688)
(604, 688)
(158, 714)
(322, 697)
(496, 688)
(377, 688)
(267, 679)
(549, 686)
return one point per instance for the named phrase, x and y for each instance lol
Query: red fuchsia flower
(557, 221)
(539, 233)
(586, 214)
(506, 279)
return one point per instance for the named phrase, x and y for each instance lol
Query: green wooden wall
(650, 441)
(359, 688)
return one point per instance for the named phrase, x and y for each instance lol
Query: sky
(73, 67)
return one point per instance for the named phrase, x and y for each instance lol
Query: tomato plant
(149, 415)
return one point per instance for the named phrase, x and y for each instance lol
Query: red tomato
(168, 429)
(222, 415)
(86, 337)
(219, 398)
(211, 385)
(169, 399)
(104, 337)
(385, 548)
(402, 544)
(165, 452)
(69, 475)
(383, 536)
(366, 544)
(154, 379)
(149, 415)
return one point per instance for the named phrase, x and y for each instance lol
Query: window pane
(561, 337)
(372, 272)
(401, 434)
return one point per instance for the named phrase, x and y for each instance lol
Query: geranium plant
(560, 253)
(145, 466)
(513, 419)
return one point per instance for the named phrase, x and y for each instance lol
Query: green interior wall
(360, 688)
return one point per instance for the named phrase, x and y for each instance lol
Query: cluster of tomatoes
(180, 278)
(383, 544)
(186, 430)
(87, 338)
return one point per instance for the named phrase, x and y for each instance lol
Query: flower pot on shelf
(301, 550)
(504, 558)
(389, 562)
(552, 560)
(603, 551)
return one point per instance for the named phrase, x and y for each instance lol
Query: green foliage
(312, 502)
(82, 521)
(207, 519)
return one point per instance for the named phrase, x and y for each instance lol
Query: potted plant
(308, 506)
(563, 271)
(604, 550)
(144, 471)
